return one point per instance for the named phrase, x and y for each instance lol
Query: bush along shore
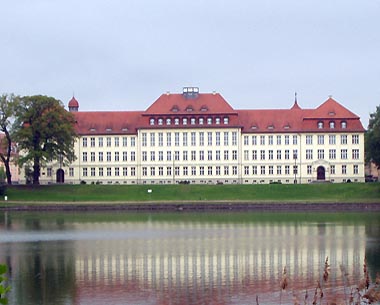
(315, 197)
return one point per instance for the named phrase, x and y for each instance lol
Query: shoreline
(192, 206)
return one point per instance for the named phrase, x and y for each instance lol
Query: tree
(8, 104)
(372, 143)
(45, 132)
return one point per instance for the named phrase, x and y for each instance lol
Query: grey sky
(122, 55)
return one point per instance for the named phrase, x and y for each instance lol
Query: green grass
(345, 192)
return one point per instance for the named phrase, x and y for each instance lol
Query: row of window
(218, 155)
(186, 121)
(200, 171)
(107, 141)
(343, 124)
(212, 138)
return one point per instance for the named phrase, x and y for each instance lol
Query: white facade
(217, 148)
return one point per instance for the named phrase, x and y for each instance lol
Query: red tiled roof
(107, 122)
(290, 120)
(204, 103)
(73, 102)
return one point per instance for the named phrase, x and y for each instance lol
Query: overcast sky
(123, 54)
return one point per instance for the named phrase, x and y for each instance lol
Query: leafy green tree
(45, 132)
(4, 289)
(372, 143)
(8, 104)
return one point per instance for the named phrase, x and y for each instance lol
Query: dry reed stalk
(326, 270)
(284, 283)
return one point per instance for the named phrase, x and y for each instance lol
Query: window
(209, 170)
(100, 142)
(152, 139)
(321, 139)
(295, 154)
(116, 141)
(184, 139)
(209, 155)
(49, 171)
(217, 140)
(209, 121)
(160, 139)
(355, 154)
(201, 138)
(116, 156)
(143, 139)
(193, 139)
(152, 171)
(320, 125)
(262, 154)
(160, 171)
(133, 141)
(192, 121)
(226, 170)
(254, 140)
(309, 170)
(295, 140)
(343, 139)
(176, 139)
(278, 140)
(332, 169)
(270, 154)
(270, 140)
(279, 169)
(169, 171)
(246, 140)
(279, 154)
(144, 171)
(355, 139)
(84, 172)
(332, 125)
(287, 170)
(92, 142)
(133, 156)
(225, 120)
(217, 170)
(226, 155)
(343, 153)
(160, 121)
(168, 156)
(160, 155)
(168, 121)
(246, 155)
(185, 170)
(144, 156)
(262, 140)
(184, 155)
(117, 171)
(201, 155)
(184, 121)
(151, 121)
(356, 169)
(84, 157)
(254, 170)
(234, 138)
(125, 171)
(287, 154)
(209, 138)
(176, 121)
(309, 140)
(217, 121)
(234, 170)
(234, 155)
(168, 139)
(254, 154)
(226, 138)
(193, 155)
(246, 170)
(201, 170)
(100, 155)
(152, 156)
(286, 140)
(133, 171)
(125, 141)
(193, 171)
(332, 154)
(92, 158)
(101, 171)
(84, 142)
(125, 156)
(201, 121)
(71, 172)
(343, 124)
(332, 139)
(270, 170)
(108, 140)
(344, 169)
(321, 154)
(217, 155)
(262, 169)
(309, 154)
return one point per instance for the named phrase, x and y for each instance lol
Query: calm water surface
(182, 258)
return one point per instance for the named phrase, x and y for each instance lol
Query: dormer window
(151, 121)
(331, 113)
(176, 121)
(204, 108)
(192, 121)
(217, 121)
(175, 109)
(225, 120)
(254, 127)
(287, 126)
(189, 109)
(160, 121)
(201, 121)
(270, 127)
(184, 121)
(332, 125)
(168, 121)
(209, 121)
(320, 125)
(343, 124)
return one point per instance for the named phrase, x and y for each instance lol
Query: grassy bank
(348, 192)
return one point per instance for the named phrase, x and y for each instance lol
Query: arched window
(192, 121)
(168, 121)
(225, 120)
(201, 121)
(176, 121)
(344, 124)
(151, 121)
(217, 121)
(320, 125)
(332, 124)
(184, 121)
(160, 121)
(209, 121)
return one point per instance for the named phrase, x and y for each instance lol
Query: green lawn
(345, 192)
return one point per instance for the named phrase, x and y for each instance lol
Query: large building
(198, 137)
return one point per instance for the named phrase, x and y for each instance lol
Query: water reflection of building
(215, 260)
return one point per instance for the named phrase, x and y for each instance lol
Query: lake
(91, 258)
